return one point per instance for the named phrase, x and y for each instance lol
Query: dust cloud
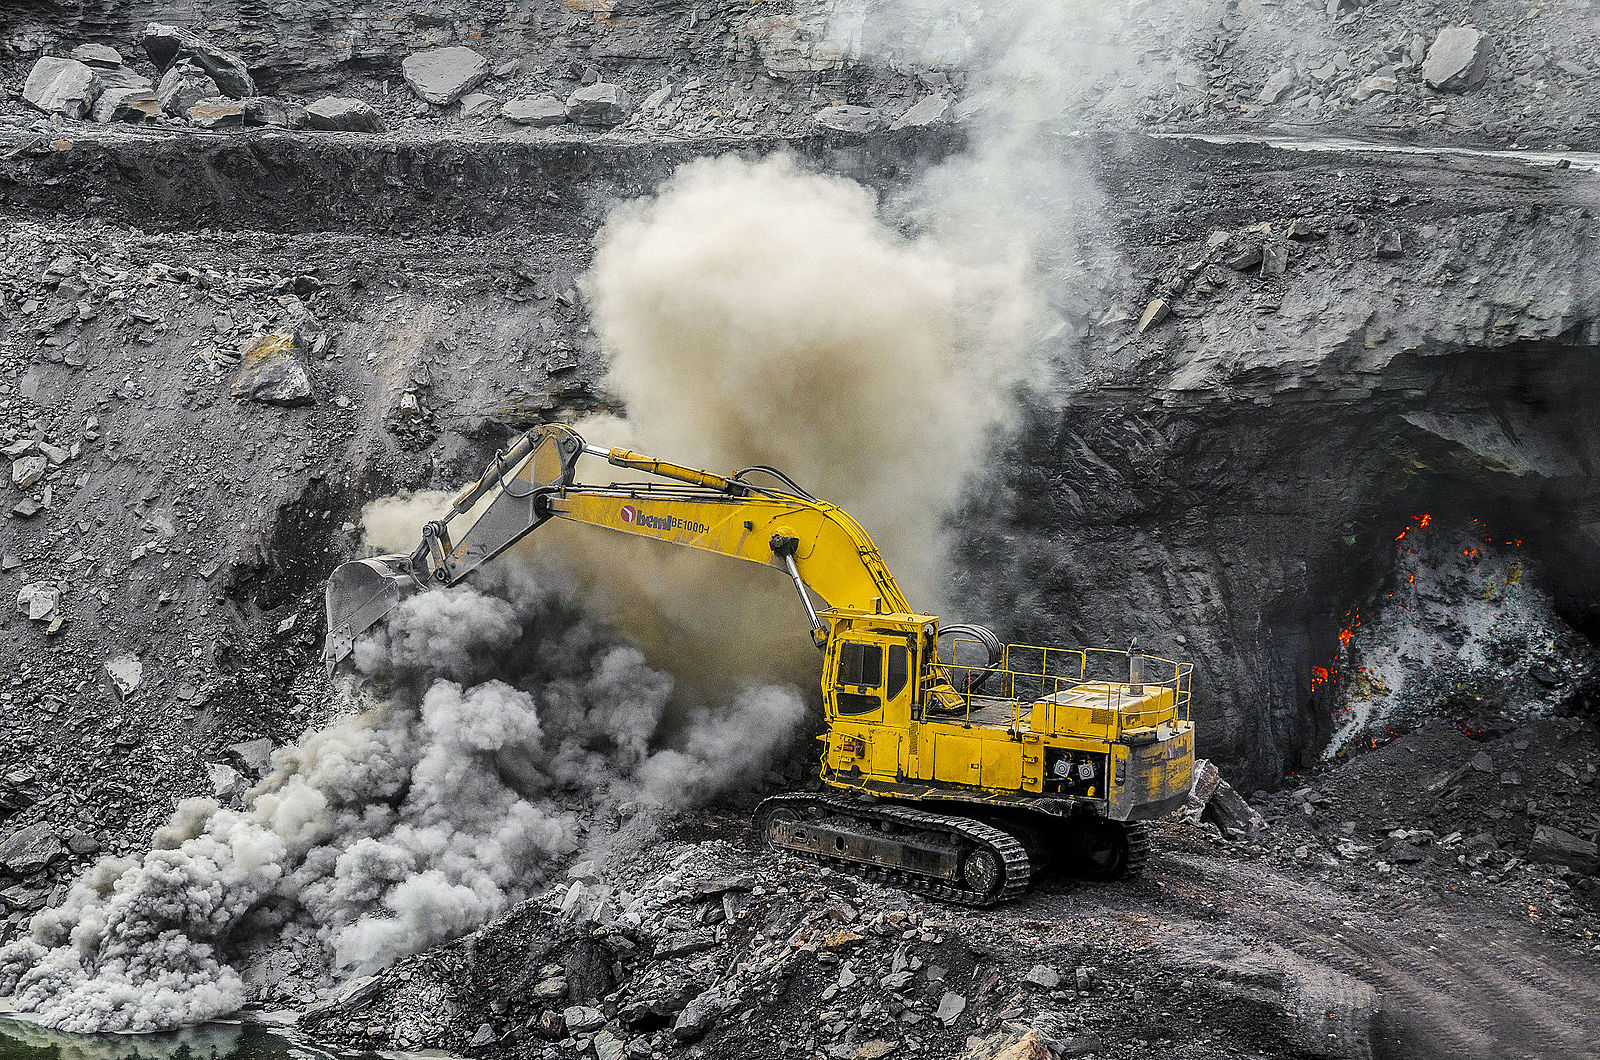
(499, 734)
(757, 313)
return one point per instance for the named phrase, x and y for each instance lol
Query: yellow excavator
(953, 779)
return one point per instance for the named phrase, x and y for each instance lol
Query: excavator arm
(755, 514)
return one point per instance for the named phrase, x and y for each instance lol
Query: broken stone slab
(121, 77)
(167, 45)
(951, 1005)
(600, 104)
(343, 114)
(269, 110)
(1274, 258)
(272, 372)
(126, 673)
(479, 105)
(443, 75)
(1277, 86)
(535, 110)
(651, 103)
(929, 110)
(1044, 976)
(183, 86)
(97, 55)
(701, 1014)
(1387, 244)
(225, 780)
(1457, 60)
(1234, 817)
(39, 601)
(125, 104)
(81, 842)
(253, 754)
(30, 849)
(680, 943)
(848, 119)
(1203, 783)
(216, 112)
(26, 470)
(1028, 1047)
(1376, 85)
(61, 86)
(581, 1019)
(1154, 313)
(1563, 848)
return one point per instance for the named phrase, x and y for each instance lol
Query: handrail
(1041, 682)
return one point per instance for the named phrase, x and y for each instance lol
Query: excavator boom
(774, 522)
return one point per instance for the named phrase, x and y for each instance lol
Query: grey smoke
(509, 727)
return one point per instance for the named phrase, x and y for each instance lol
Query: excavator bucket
(360, 594)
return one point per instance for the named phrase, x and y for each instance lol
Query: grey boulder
(1457, 61)
(166, 45)
(267, 110)
(183, 86)
(61, 86)
(599, 104)
(216, 112)
(97, 55)
(343, 114)
(30, 849)
(930, 110)
(272, 372)
(126, 104)
(847, 119)
(535, 110)
(443, 75)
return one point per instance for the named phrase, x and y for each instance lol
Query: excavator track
(954, 859)
(1138, 836)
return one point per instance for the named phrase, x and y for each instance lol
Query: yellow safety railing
(1027, 673)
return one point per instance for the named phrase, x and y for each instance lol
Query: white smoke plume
(511, 729)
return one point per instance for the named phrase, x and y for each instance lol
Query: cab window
(899, 669)
(861, 664)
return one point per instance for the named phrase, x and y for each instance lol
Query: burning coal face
(1464, 633)
(511, 731)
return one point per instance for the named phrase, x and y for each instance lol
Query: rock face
(342, 114)
(167, 45)
(61, 86)
(1457, 61)
(270, 369)
(600, 104)
(535, 110)
(848, 119)
(27, 851)
(126, 104)
(183, 86)
(443, 75)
